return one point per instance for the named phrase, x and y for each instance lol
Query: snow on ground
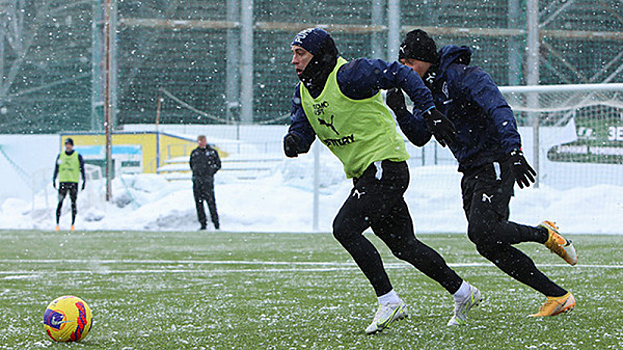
(283, 201)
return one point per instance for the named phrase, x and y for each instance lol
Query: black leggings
(376, 201)
(486, 195)
(63, 189)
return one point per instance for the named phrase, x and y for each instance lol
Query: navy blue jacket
(485, 124)
(360, 79)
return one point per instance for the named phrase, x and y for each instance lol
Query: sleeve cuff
(429, 108)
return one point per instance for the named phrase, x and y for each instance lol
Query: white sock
(389, 298)
(463, 291)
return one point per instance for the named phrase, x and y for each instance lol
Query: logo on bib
(328, 124)
(339, 142)
(319, 107)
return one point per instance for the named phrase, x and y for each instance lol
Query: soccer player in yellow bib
(69, 167)
(340, 103)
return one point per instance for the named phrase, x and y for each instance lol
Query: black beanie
(311, 39)
(418, 45)
(69, 141)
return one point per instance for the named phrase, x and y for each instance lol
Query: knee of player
(342, 230)
(339, 231)
(486, 249)
(488, 246)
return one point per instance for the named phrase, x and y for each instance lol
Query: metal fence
(229, 60)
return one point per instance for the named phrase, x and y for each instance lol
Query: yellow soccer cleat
(72, 228)
(556, 305)
(57, 228)
(558, 244)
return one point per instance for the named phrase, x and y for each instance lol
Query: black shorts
(65, 187)
(376, 200)
(488, 189)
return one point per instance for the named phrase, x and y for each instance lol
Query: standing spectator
(488, 149)
(340, 103)
(204, 163)
(69, 167)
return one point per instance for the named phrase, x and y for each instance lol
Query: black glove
(291, 145)
(54, 184)
(83, 184)
(396, 101)
(524, 174)
(441, 127)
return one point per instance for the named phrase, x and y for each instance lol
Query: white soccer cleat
(386, 315)
(462, 307)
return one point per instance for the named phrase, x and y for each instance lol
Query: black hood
(454, 54)
(447, 55)
(321, 65)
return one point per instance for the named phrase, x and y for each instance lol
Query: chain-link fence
(196, 51)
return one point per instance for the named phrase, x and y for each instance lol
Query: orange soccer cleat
(558, 244)
(556, 305)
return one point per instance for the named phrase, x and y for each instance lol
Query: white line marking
(294, 266)
(259, 263)
(172, 262)
(138, 272)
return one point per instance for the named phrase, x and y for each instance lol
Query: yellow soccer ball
(67, 318)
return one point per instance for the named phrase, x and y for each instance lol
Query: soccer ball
(67, 318)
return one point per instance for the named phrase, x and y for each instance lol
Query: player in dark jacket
(204, 163)
(488, 149)
(340, 103)
(69, 167)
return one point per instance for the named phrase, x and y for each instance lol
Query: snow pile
(283, 202)
(279, 201)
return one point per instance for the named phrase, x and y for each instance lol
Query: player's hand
(524, 174)
(83, 184)
(396, 101)
(291, 145)
(441, 127)
(54, 184)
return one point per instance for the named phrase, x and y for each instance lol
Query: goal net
(572, 134)
(575, 132)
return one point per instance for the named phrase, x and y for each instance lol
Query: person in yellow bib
(69, 167)
(340, 103)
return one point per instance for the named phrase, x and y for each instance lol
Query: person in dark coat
(488, 149)
(204, 163)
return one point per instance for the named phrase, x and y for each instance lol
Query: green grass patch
(198, 290)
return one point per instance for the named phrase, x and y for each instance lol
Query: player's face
(202, 143)
(68, 147)
(300, 58)
(420, 67)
